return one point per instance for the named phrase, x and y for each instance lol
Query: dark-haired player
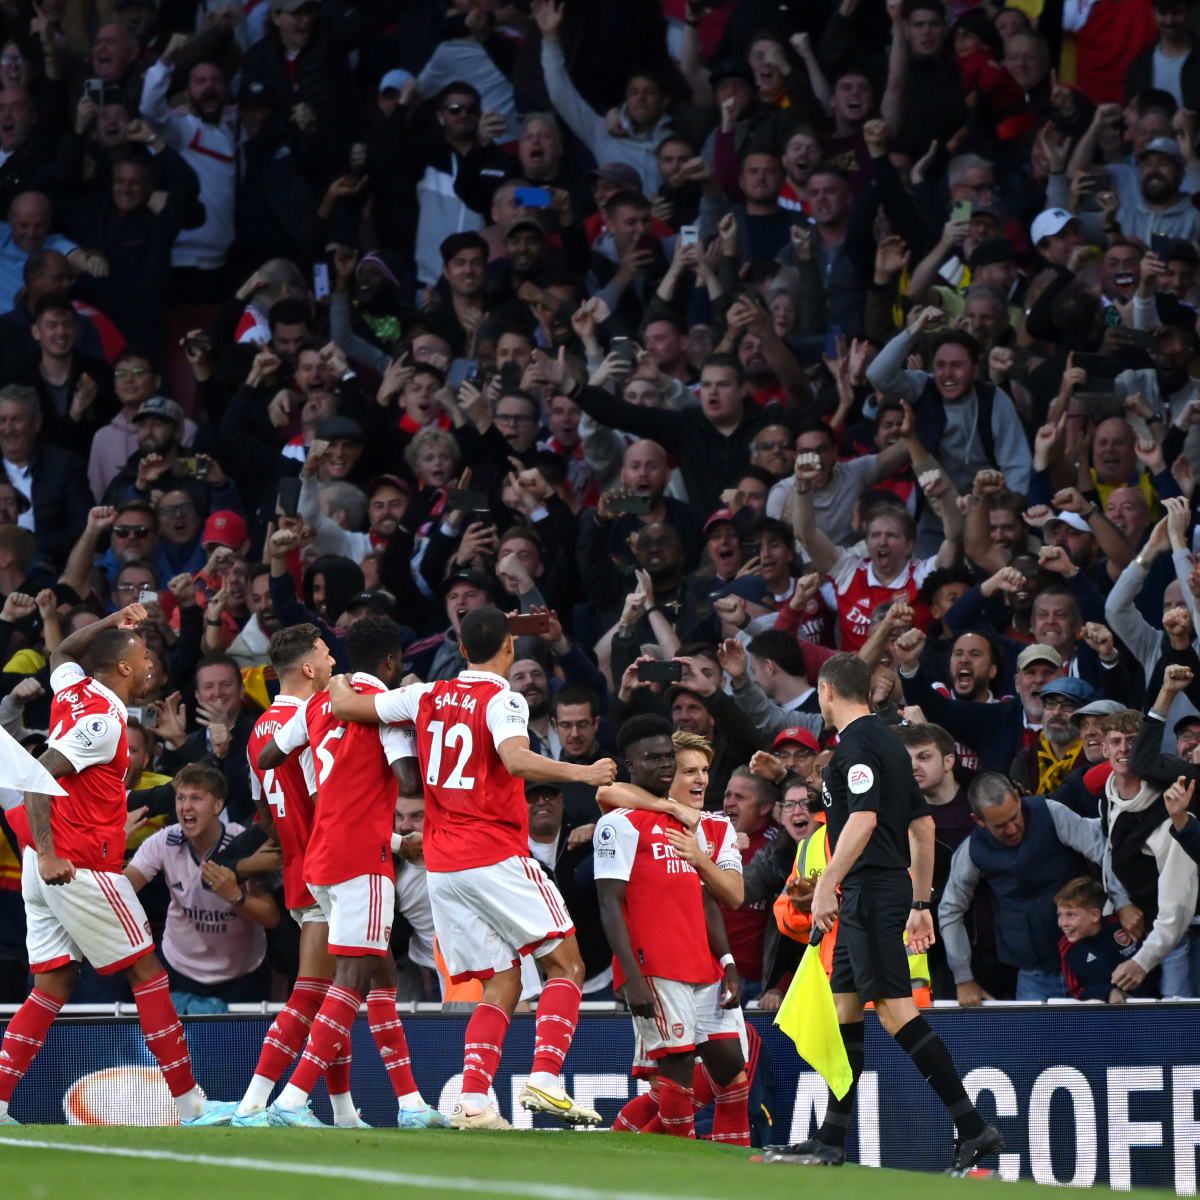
(78, 904)
(491, 902)
(348, 870)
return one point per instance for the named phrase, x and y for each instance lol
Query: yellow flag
(808, 1016)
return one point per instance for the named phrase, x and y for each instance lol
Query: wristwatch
(241, 898)
(920, 906)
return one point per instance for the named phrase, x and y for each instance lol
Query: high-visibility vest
(812, 856)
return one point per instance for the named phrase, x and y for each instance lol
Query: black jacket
(61, 500)
(1141, 75)
(234, 766)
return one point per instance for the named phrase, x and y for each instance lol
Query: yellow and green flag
(809, 1017)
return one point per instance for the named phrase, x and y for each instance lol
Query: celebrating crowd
(708, 338)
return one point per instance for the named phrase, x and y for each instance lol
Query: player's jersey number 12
(442, 740)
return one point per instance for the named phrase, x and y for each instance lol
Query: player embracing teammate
(491, 901)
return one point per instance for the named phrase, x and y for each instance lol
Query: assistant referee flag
(20, 771)
(809, 1017)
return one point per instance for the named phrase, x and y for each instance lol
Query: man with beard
(1166, 387)
(1041, 767)
(774, 450)
(1089, 721)
(665, 339)
(973, 669)
(997, 731)
(388, 498)
(205, 135)
(1153, 204)
(680, 194)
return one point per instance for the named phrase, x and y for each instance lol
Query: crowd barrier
(1084, 1095)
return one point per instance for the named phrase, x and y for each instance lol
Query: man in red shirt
(349, 873)
(660, 922)
(77, 902)
(749, 803)
(491, 902)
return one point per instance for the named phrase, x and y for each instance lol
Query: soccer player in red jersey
(78, 904)
(348, 870)
(661, 923)
(283, 796)
(491, 901)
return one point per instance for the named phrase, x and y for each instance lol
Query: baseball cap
(476, 579)
(1070, 519)
(401, 485)
(524, 221)
(375, 599)
(722, 514)
(621, 173)
(1047, 224)
(224, 528)
(1098, 708)
(749, 587)
(1162, 145)
(340, 427)
(798, 734)
(1038, 652)
(730, 68)
(533, 786)
(1070, 686)
(991, 250)
(394, 80)
(1184, 721)
(160, 407)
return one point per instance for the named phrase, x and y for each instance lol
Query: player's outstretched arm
(75, 647)
(349, 705)
(628, 795)
(525, 764)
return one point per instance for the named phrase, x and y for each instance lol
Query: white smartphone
(689, 235)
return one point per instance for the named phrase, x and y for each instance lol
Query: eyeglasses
(126, 372)
(177, 510)
(1058, 702)
(513, 419)
(788, 805)
(131, 530)
(779, 445)
(569, 726)
(458, 110)
(131, 587)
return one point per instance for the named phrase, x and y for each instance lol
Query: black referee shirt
(871, 771)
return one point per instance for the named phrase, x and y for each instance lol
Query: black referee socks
(838, 1112)
(933, 1060)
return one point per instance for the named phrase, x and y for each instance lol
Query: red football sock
(24, 1037)
(388, 1032)
(289, 1031)
(330, 1033)
(337, 1078)
(557, 1015)
(637, 1112)
(163, 1032)
(731, 1120)
(484, 1040)
(675, 1109)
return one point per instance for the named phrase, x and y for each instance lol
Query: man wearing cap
(997, 732)
(797, 749)
(1148, 204)
(157, 465)
(1024, 849)
(205, 133)
(461, 591)
(1055, 233)
(1089, 721)
(1041, 767)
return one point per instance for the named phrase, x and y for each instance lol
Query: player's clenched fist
(638, 997)
(601, 773)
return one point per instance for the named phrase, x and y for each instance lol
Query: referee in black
(875, 811)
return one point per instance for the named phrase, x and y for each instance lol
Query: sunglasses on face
(123, 531)
(457, 110)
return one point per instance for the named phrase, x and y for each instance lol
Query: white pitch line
(455, 1183)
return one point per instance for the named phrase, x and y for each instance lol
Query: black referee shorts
(870, 957)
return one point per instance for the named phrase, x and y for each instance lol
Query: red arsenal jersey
(87, 727)
(475, 811)
(356, 790)
(664, 905)
(288, 790)
(859, 593)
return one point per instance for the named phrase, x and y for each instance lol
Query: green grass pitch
(72, 1162)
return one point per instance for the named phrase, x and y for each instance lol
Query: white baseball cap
(1072, 520)
(1048, 223)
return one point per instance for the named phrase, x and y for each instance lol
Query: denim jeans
(1040, 985)
(1181, 969)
